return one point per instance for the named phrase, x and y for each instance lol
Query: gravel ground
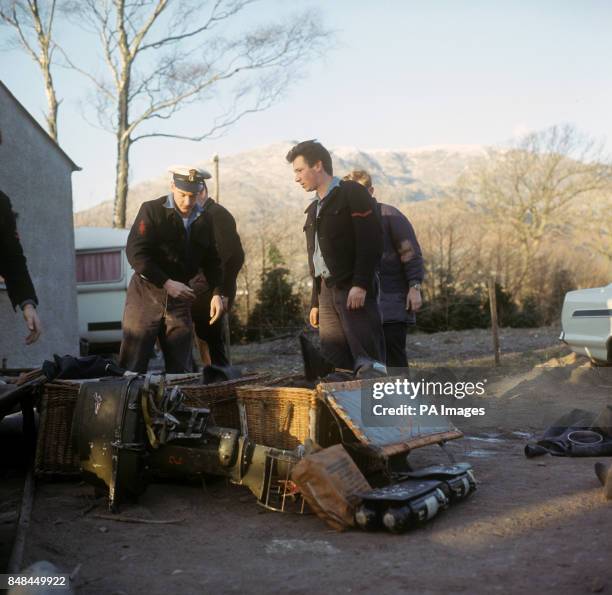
(533, 526)
(452, 348)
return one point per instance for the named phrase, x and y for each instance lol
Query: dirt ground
(533, 526)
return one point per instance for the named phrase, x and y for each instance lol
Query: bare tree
(33, 30)
(163, 55)
(597, 228)
(531, 190)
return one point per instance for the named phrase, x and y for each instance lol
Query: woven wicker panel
(278, 417)
(220, 398)
(54, 454)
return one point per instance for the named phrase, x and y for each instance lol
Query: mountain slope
(260, 181)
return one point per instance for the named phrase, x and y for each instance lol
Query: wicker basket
(278, 417)
(220, 398)
(54, 454)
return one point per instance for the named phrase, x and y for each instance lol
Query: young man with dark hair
(401, 275)
(344, 244)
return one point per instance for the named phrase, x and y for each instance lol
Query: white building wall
(36, 175)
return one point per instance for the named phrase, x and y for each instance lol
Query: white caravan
(102, 274)
(587, 323)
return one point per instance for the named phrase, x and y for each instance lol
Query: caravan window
(98, 267)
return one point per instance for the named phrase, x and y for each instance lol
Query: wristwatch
(414, 285)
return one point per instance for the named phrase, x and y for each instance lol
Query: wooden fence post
(494, 327)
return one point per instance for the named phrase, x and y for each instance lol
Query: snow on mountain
(258, 181)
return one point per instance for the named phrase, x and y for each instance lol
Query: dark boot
(604, 474)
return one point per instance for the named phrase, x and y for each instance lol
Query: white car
(586, 320)
(102, 275)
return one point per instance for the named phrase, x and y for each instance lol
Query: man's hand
(356, 298)
(33, 323)
(216, 308)
(314, 317)
(179, 290)
(413, 300)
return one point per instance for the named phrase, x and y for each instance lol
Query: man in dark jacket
(14, 270)
(229, 247)
(401, 275)
(169, 242)
(344, 243)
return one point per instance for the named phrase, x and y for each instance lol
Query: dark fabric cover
(315, 365)
(578, 433)
(68, 367)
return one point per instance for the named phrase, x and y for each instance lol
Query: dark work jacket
(228, 244)
(230, 252)
(158, 247)
(350, 237)
(395, 275)
(13, 267)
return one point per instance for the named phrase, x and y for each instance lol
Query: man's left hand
(356, 298)
(413, 300)
(216, 308)
(33, 323)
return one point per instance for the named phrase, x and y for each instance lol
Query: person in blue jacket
(401, 275)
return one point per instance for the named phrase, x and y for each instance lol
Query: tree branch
(14, 22)
(161, 6)
(212, 19)
(70, 64)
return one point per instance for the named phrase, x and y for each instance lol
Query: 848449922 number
(57, 581)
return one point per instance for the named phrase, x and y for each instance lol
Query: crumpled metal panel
(414, 431)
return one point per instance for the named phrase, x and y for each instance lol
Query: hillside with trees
(535, 216)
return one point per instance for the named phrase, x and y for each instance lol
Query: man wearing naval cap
(168, 244)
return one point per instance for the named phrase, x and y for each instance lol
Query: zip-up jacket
(350, 238)
(159, 248)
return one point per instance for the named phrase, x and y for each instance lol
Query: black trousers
(214, 335)
(151, 314)
(395, 343)
(349, 335)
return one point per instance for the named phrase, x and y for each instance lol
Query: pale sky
(403, 74)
